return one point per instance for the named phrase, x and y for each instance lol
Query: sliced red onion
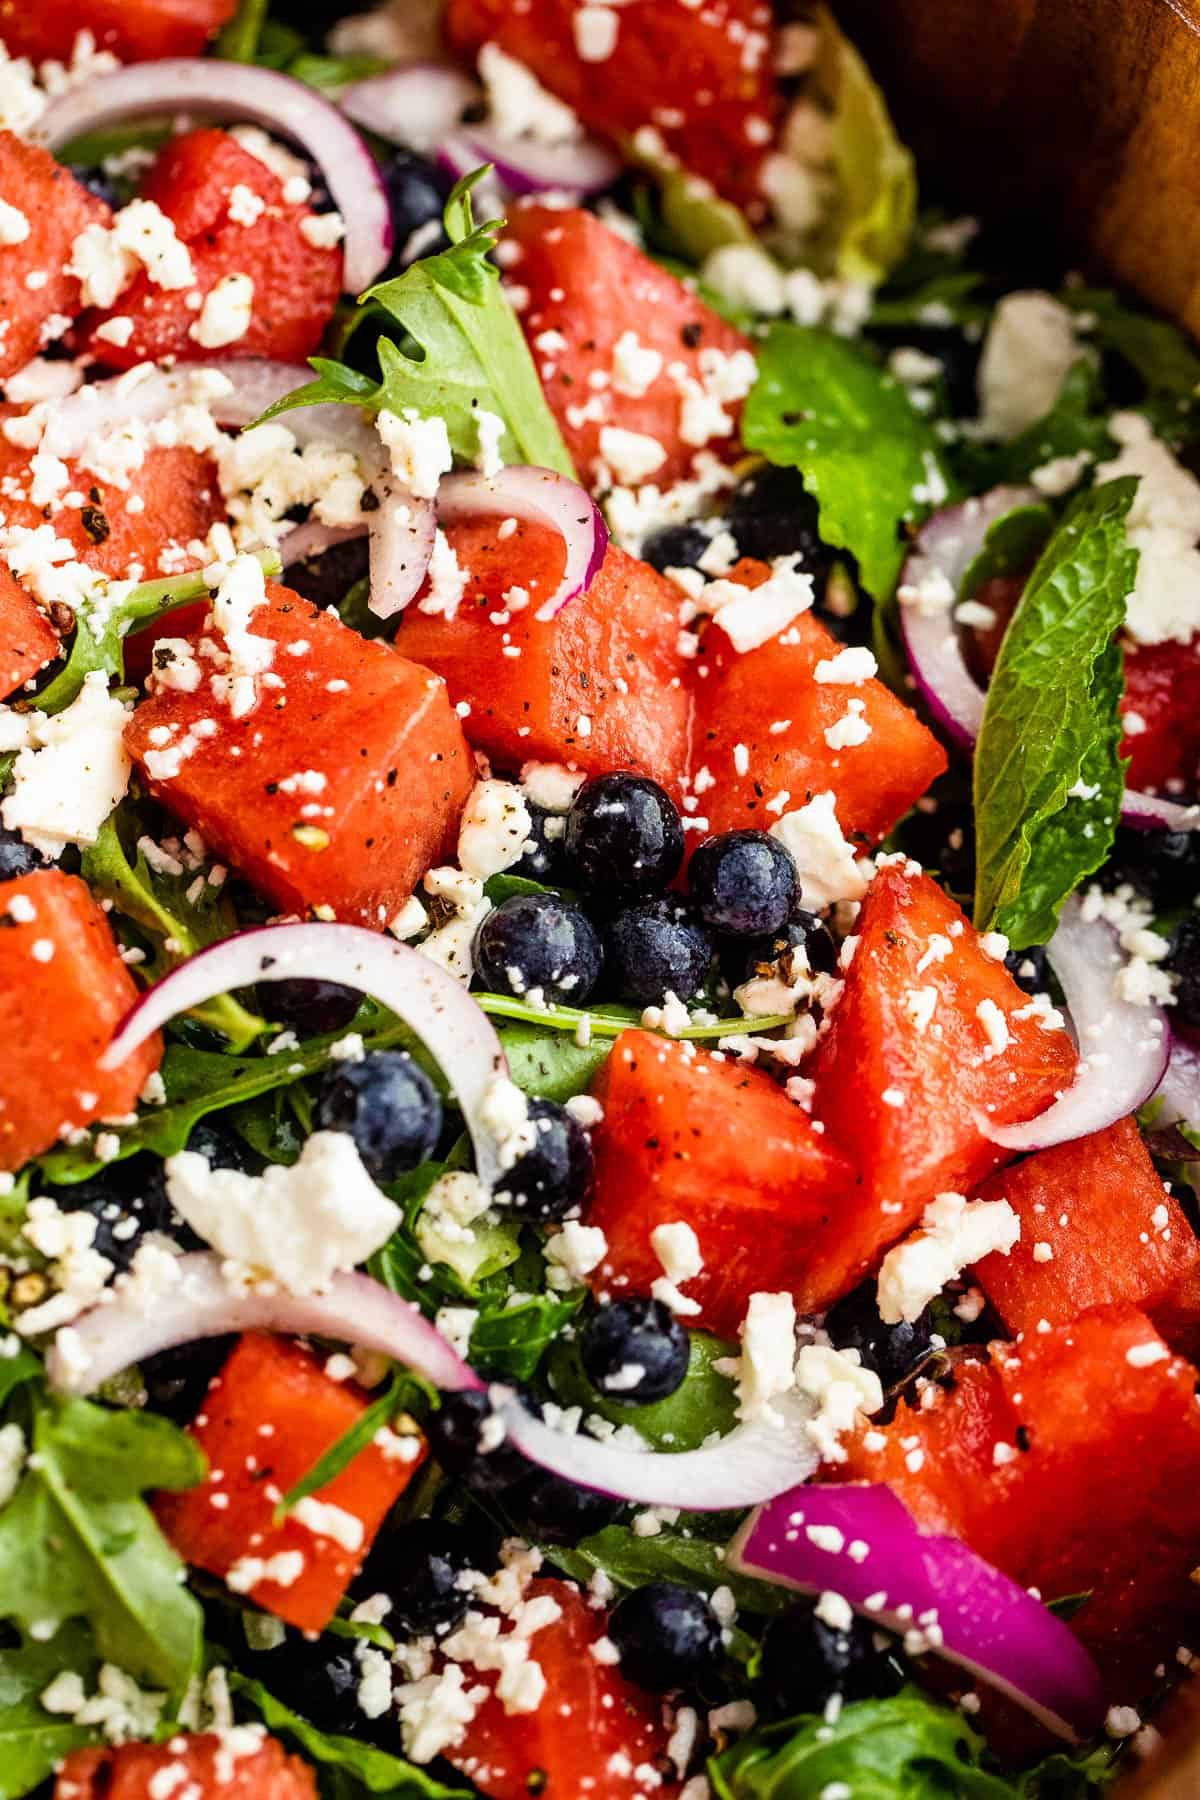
(419, 104)
(1149, 812)
(750, 1464)
(1179, 1090)
(243, 92)
(863, 1544)
(1123, 1046)
(313, 539)
(435, 1007)
(540, 497)
(524, 166)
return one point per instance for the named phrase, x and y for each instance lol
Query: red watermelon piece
(135, 30)
(38, 298)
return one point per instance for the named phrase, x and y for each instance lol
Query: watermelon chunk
(588, 290)
(706, 1140)
(268, 1381)
(900, 1095)
(1097, 1227)
(135, 30)
(591, 1718)
(338, 790)
(701, 76)
(1072, 1461)
(1161, 711)
(761, 721)
(38, 298)
(602, 685)
(28, 641)
(63, 992)
(296, 277)
(200, 1766)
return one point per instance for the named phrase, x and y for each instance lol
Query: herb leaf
(631, 1561)
(461, 350)
(704, 1402)
(401, 1390)
(1048, 777)
(78, 1541)
(825, 407)
(365, 1769)
(33, 1741)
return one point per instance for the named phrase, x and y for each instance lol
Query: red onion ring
(540, 497)
(908, 1580)
(1179, 1089)
(240, 91)
(434, 1006)
(945, 546)
(313, 539)
(1123, 1047)
(751, 1463)
(583, 167)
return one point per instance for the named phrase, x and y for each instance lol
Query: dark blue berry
(553, 1176)
(308, 1006)
(676, 547)
(892, 1351)
(804, 932)
(940, 834)
(544, 859)
(771, 513)
(92, 177)
(635, 1351)
(743, 883)
(623, 833)
(1164, 865)
(16, 857)
(804, 1662)
(1184, 963)
(459, 1437)
(562, 1512)
(1029, 968)
(327, 579)
(322, 1683)
(668, 1636)
(390, 1108)
(656, 949)
(177, 1380)
(220, 1146)
(538, 942)
(417, 1563)
(417, 192)
(127, 1200)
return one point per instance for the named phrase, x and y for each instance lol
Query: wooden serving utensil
(1080, 118)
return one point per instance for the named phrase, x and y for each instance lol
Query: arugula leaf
(78, 1541)
(1048, 776)
(462, 350)
(32, 1741)
(703, 1402)
(631, 1561)
(238, 41)
(1156, 349)
(367, 1769)
(164, 907)
(508, 1342)
(330, 74)
(903, 1748)
(403, 1390)
(825, 407)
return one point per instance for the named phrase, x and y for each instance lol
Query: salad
(599, 975)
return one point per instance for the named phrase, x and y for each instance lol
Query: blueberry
(92, 177)
(668, 1636)
(771, 513)
(655, 949)
(16, 857)
(543, 859)
(417, 192)
(461, 1444)
(417, 1563)
(177, 1380)
(957, 354)
(556, 1174)
(327, 579)
(676, 547)
(323, 1683)
(536, 941)
(1165, 865)
(805, 1662)
(746, 958)
(940, 834)
(1029, 969)
(126, 1200)
(562, 1513)
(892, 1351)
(308, 1006)
(1184, 963)
(388, 1105)
(635, 1351)
(743, 883)
(623, 833)
(220, 1147)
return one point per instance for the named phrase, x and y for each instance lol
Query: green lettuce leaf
(704, 1401)
(348, 1769)
(461, 350)
(1048, 776)
(825, 407)
(77, 1540)
(33, 1741)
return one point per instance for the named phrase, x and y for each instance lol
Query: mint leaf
(1048, 777)
(461, 350)
(78, 1541)
(903, 1748)
(33, 1741)
(370, 1771)
(825, 407)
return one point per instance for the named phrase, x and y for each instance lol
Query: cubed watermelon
(38, 298)
(1161, 711)
(135, 30)
(200, 1766)
(277, 1384)
(341, 787)
(602, 685)
(28, 641)
(63, 992)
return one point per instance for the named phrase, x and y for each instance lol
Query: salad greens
(348, 1768)
(1048, 774)
(33, 1741)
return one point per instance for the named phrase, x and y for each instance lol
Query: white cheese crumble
(495, 829)
(825, 861)
(72, 771)
(766, 1366)
(419, 448)
(841, 1388)
(572, 1253)
(678, 1251)
(751, 617)
(226, 313)
(1029, 348)
(1163, 525)
(631, 455)
(520, 106)
(954, 1234)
